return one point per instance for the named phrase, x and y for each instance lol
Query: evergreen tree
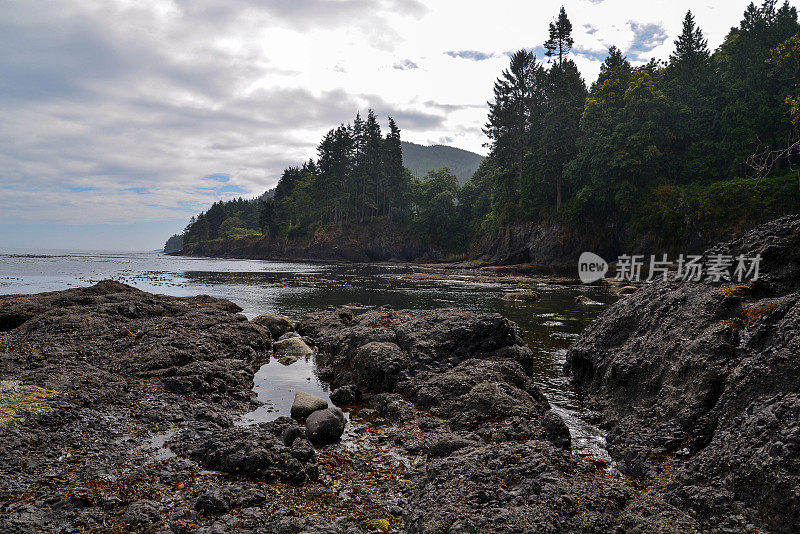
(691, 48)
(566, 97)
(514, 117)
(393, 169)
(560, 41)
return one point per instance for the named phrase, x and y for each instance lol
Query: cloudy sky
(119, 119)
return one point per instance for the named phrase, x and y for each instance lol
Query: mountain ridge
(420, 159)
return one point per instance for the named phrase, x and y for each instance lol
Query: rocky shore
(698, 385)
(120, 411)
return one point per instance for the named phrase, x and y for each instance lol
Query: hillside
(421, 159)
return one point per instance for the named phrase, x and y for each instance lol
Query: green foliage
(435, 213)
(672, 215)
(647, 145)
(235, 217)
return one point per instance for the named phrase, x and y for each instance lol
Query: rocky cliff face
(543, 244)
(699, 385)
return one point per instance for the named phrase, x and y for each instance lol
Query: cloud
(595, 55)
(406, 64)
(473, 55)
(450, 108)
(646, 37)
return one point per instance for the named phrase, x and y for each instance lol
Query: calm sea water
(293, 289)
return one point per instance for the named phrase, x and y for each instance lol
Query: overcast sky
(119, 119)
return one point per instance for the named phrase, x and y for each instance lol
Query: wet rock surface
(492, 455)
(699, 385)
(325, 426)
(136, 426)
(124, 419)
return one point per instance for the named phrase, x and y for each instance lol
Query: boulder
(325, 426)
(522, 296)
(344, 396)
(294, 347)
(305, 404)
(277, 325)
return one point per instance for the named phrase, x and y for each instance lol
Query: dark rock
(345, 396)
(302, 450)
(216, 501)
(256, 452)
(325, 426)
(142, 515)
(447, 444)
(556, 430)
(378, 349)
(529, 487)
(393, 407)
(290, 434)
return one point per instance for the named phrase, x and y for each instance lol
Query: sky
(120, 119)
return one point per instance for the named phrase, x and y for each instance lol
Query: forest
(702, 142)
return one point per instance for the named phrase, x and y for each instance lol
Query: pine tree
(517, 94)
(560, 42)
(393, 168)
(372, 179)
(565, 101)
(691, 48)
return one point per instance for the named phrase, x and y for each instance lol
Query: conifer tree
(560, 42)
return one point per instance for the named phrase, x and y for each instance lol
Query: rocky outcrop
(540, 244)
(381, 348)
(699, 385)
(119, 409)
(496, 456)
